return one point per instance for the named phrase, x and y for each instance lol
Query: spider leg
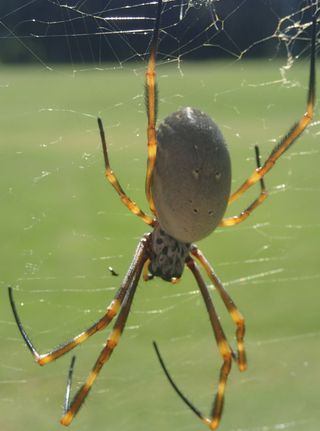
(71, 408)
(69, 384)
(225, 351)
(145, 273)
(175, 387)
(293, 133)
(103, 322)
(235, 314)
(132, 206)
(231, 221)
(151, 100)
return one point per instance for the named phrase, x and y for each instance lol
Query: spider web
(63, 64)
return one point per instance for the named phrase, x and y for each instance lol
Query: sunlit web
(62, 65)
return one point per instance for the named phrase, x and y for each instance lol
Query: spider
(188, 182)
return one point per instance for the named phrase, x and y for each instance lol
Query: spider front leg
(223, 346)
(293, 133)
(225, 350)
(103, 322)
(45, 358)
(71, 408)
(235, 314)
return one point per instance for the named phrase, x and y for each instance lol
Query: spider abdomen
(192, 175)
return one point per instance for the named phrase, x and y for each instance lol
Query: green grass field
(62, 225)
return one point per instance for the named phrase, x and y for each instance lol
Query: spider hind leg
(294, 132)
(131, 205)
(233, 220)
(151, 101)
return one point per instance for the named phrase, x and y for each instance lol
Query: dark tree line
(89, 32)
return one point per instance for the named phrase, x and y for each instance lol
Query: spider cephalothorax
(188, 189)
(168, 255)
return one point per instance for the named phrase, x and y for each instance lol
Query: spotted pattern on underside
(168, 255)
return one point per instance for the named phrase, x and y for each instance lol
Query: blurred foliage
(86, 32)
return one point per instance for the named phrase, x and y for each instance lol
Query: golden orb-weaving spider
(188, 190)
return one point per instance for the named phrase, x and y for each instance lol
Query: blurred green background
(62, 225)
